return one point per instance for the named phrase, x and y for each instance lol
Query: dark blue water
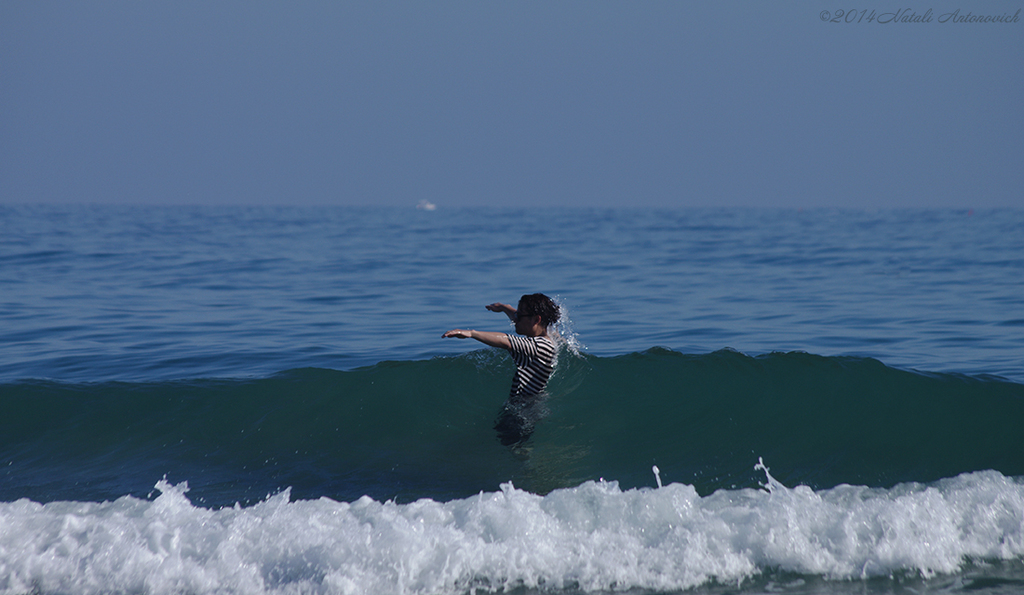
(873, 360)
(125, 293)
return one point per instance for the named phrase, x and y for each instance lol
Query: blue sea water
(259, 400)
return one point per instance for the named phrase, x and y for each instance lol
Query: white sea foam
(594, 537)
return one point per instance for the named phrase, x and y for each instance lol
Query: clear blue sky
(588, 103)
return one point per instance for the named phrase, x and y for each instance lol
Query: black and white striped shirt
(535, 361)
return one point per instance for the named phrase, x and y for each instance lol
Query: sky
(590, 103)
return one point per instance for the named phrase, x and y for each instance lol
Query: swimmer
(533, 353)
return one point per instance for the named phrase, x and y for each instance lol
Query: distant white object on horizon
(426, 205)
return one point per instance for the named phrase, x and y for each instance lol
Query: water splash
(772, 485)
(563, 332)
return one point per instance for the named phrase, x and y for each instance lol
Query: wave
(592, 538)
(414, 429)
(391, 479)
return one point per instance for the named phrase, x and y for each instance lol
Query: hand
(458, 334)
(508, 309)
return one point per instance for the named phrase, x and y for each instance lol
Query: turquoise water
(258, 400)
(402, 431)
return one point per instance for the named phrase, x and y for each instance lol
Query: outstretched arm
(508, 309)
(486, 337)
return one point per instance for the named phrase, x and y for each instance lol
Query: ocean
(242, 400)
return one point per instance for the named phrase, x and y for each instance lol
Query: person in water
(534, 355)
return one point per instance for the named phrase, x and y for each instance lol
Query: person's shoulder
(541, 341)
(537, 339)
(546, 342)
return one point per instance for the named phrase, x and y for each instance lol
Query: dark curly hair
(539, 304)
